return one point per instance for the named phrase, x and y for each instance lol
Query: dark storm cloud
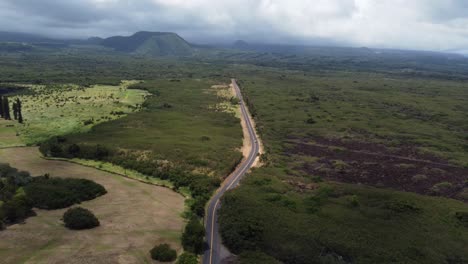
(418, 24)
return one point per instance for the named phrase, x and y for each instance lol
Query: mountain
(94, 40)
(240, 44)
(150, 43)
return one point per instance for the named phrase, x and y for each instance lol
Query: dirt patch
(134, 217)
(402, 168)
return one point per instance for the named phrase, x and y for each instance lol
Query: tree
(187, 258)
(80, 218)
(163, 253)
(1, 106)
(192, 238)
(19, 110)
(6, 108)
(15, 111)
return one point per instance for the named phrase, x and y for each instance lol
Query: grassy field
(180, 125)
(63, 109)
(127, 231)
(364, 128)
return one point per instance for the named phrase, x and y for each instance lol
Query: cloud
(416, 24)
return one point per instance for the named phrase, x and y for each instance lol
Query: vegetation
(165, 148)
(192, 238)
(333, 121)
(14, 204)
(318, 225)
(256, 257)
(56, 193)
(19, 193)
(187, 258)
(78, 218)
(303, 206)
(56, 110)
(163, 253)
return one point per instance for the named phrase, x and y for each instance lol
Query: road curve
(212, 254)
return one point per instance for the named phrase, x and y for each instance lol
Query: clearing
(56, 110)
(134, 217)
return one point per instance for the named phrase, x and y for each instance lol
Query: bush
(463, 194)
(419, 178)
(16, 209)
(310, 121)
(80, 218)
(187, 258)
(256, 257)
(192, 238)
(56, 193)
(441, 188)
(163, 253)
(462, 217)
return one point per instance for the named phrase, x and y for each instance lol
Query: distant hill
(240, 44)
(150, 43)
(94, 40)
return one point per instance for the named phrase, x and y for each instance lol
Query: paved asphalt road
(212, 254)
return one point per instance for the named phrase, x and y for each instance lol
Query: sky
(440, 25)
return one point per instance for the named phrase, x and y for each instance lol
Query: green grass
(63, 109)
(8, 137)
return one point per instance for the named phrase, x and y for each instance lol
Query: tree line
(5, 109)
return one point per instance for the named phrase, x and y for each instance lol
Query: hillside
(150, 43)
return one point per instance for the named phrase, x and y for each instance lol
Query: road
(212, 254)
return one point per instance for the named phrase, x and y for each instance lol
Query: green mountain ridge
(150, 43)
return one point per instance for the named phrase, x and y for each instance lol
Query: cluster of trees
(56, 193)
(5, 109)
(19, 193)
(164, 253)
(192, 238)
(14, 205)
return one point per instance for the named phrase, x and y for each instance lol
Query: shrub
(163, 253)
(256, 257)
(419, 178)
(80, 218)
(353, 201)
(56, 193)
(310, 121)
(398, 206)
(192, 238)
(16, 209)
(187, 258)
(462, 217)
(441, 188)
(463, 194)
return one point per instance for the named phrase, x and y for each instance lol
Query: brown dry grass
(134, 217)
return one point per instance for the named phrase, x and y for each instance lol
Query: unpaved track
(134, 217)
(213, 254)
